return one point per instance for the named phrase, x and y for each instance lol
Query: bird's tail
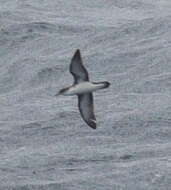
(106, 84)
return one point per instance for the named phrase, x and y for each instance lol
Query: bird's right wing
(85, 104)
(77, 68)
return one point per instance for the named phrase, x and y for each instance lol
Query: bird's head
(62, 91)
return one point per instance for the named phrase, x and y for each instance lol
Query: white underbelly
(84, 87)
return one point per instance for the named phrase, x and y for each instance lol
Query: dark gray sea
(44, 143)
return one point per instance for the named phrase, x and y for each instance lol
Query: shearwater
(83, 88)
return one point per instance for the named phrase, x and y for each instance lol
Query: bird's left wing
(85, 104)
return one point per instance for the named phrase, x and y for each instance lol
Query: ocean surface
(44, 143)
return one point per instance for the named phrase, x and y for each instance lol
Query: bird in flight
(83, 88)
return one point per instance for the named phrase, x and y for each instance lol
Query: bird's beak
(57, 94)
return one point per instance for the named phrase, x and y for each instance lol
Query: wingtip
(76, 56)
(92, 124)
(77, 53)
(94, 127)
